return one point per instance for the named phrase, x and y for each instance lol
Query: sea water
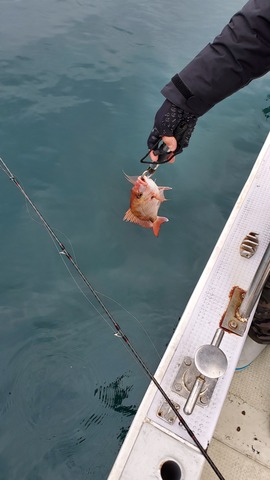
(80, 84)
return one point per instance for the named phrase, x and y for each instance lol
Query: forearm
(238, 55)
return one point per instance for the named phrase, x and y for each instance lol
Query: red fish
(145, 201)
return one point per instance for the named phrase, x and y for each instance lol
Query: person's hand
(174, 127)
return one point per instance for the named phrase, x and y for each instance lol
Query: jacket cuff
(177, 92)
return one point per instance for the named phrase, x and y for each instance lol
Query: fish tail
(157, 223)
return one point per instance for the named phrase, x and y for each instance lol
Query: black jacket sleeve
(238, 55)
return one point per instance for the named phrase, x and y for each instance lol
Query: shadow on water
(266, 110)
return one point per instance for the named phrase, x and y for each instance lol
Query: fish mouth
(142, 179)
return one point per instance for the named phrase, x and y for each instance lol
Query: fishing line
(80, 288)
(136, 319)
(119, 332)
(41, 224)
(99, 293)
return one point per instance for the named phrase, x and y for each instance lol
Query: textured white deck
(241, 442)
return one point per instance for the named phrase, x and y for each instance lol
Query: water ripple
(52, 387)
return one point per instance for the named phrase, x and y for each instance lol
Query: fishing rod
(119, 332)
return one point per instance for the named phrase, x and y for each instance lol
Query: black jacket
(238, 55)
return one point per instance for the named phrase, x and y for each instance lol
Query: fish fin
(132, 179)
(165, 188)
(157, 223)
(130, 217)
(159, 196)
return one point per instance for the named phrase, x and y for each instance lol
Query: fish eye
(139, 195)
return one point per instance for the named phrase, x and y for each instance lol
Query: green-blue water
(79, 87)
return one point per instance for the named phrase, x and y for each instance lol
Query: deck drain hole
(170, 470)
